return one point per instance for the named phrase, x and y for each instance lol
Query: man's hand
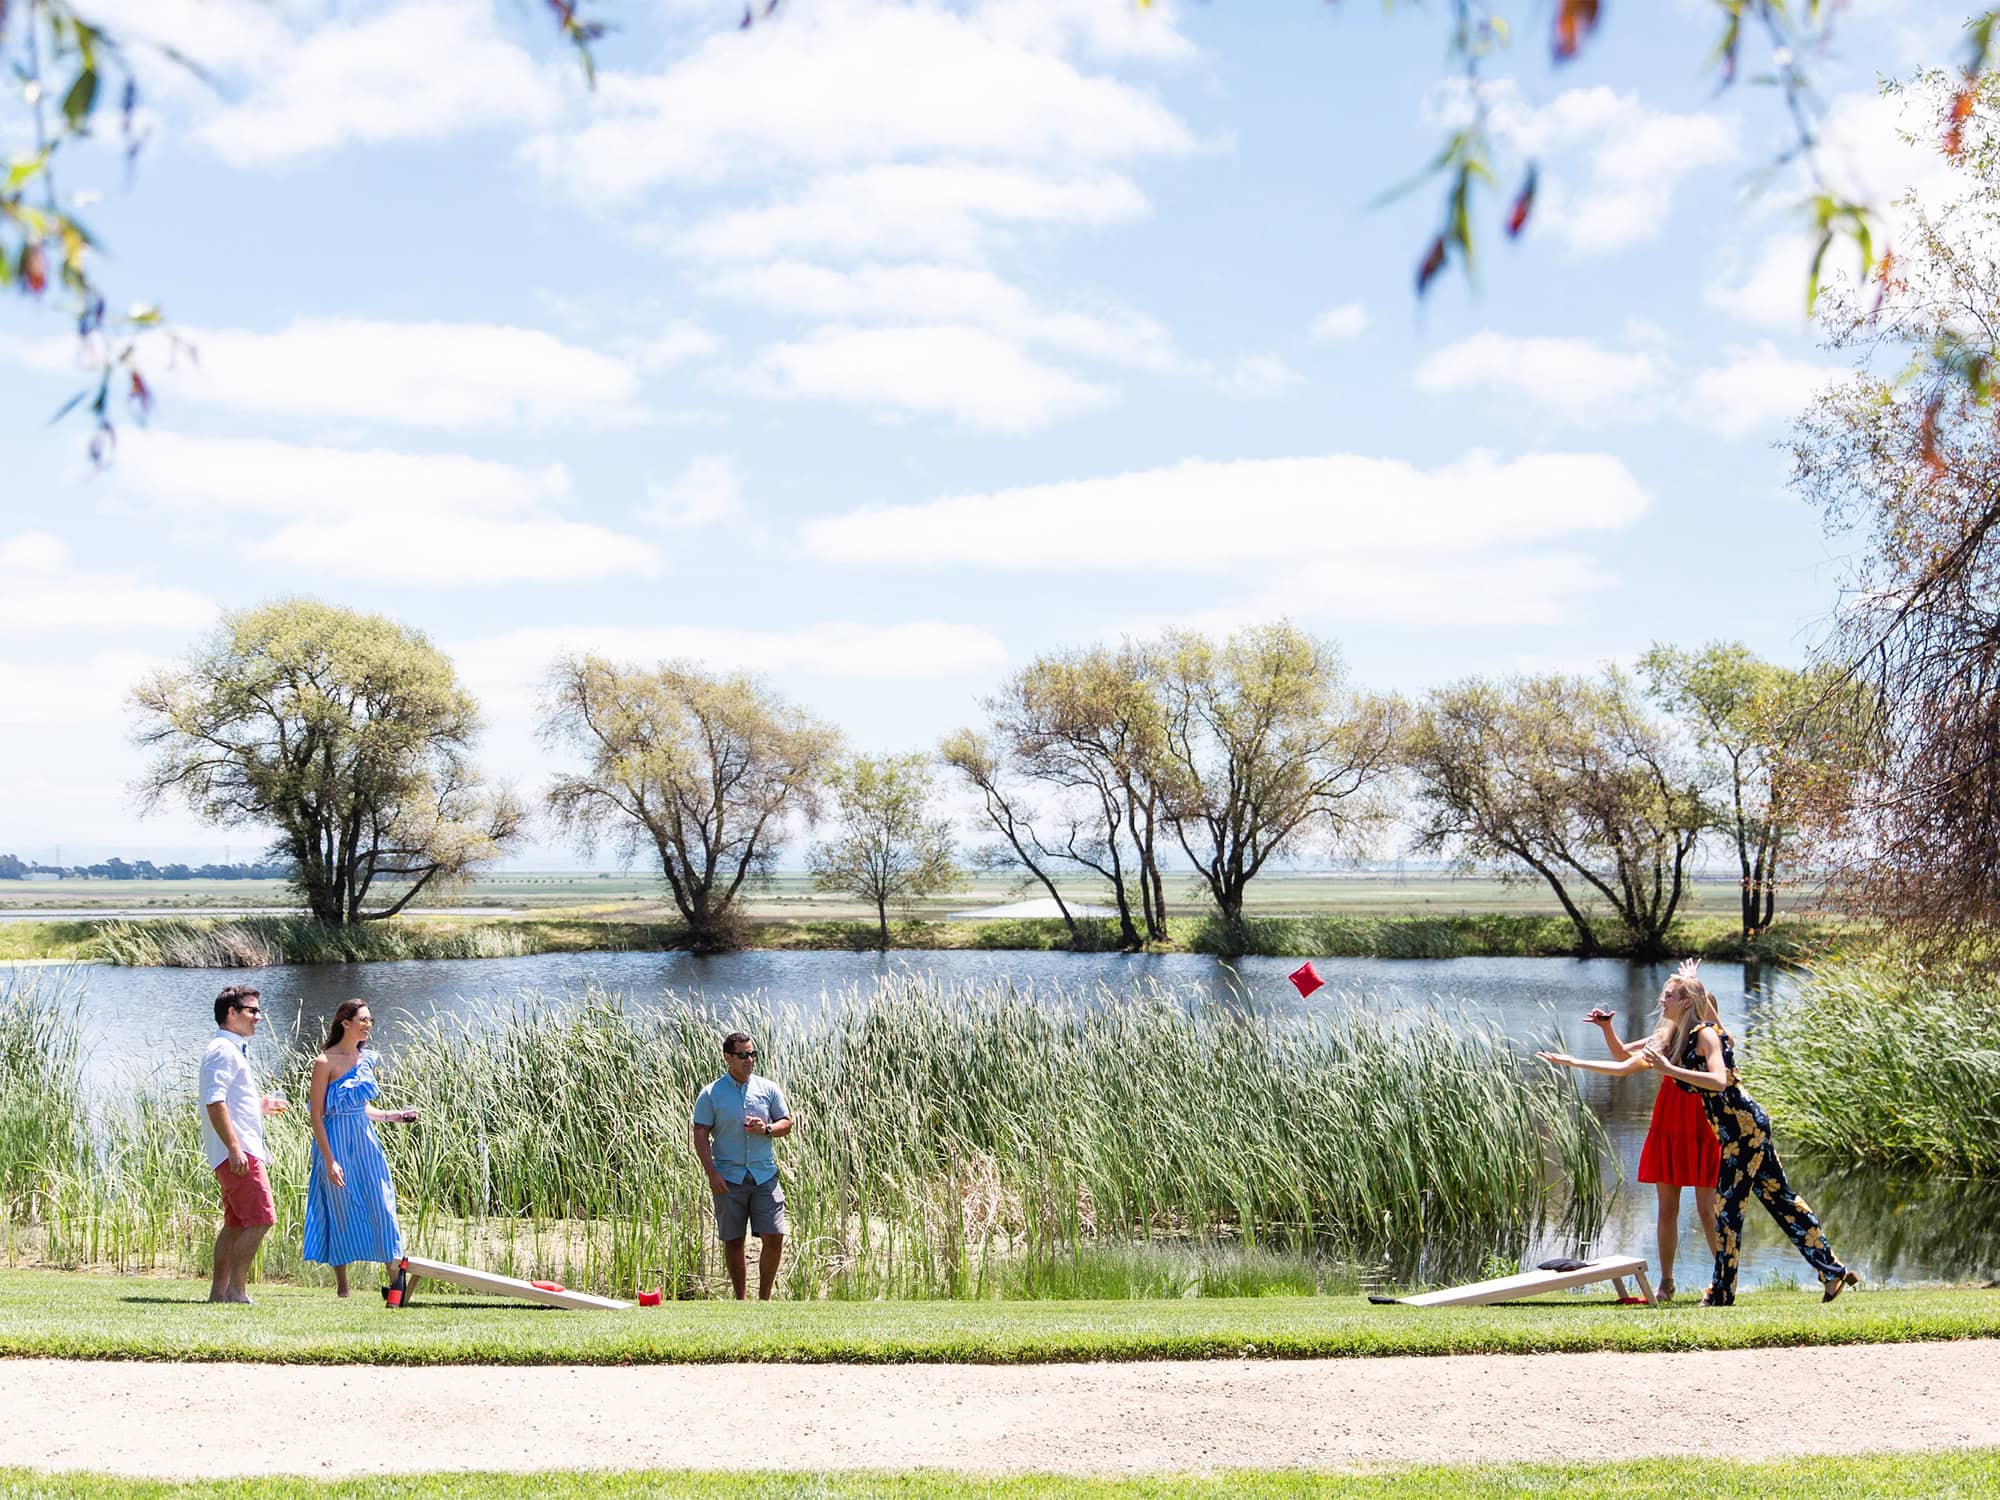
(273, 1105)
(717, 1183)
(238, 1162)
(334, 1175)
(756, 1125)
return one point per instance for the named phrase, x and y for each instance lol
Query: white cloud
(1585, 385)
(1758, 388)
(1631, 157)
(1573, 379)
(1535, 589)
(945, 211)
(952, 370)
(1336, 323)
(42, 589)
(847, 83)
(60, 694)
(707, 491)
(446, 518)
(505, 671)
(1206, 516)
(1256, 377)
(944, 294)
(421, 70)
(450, 377)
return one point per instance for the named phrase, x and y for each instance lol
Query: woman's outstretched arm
(1633, 1063)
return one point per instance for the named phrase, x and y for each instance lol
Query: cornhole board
(509, 1286)
(1612, 1268)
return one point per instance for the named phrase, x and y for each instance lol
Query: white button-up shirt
(226, 1079)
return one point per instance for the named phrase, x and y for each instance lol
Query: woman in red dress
(1681, 1149)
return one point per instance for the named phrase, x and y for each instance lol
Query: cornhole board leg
(1530, 1283)
(510, 1286)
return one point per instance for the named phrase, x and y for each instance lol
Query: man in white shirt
(232, 1128)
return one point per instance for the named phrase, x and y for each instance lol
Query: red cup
(395, 1296)
(650, 1299)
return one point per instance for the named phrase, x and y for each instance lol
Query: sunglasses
(250, 1010)
(751, 1053)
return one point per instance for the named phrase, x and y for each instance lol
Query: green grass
(1878, 1061)
(68, 1315)
(1964, 1474)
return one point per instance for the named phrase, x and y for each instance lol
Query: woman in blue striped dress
(350, 1202)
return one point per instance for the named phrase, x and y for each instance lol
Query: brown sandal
(1839, 1284)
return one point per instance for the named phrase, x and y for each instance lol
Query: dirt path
(217, 1420)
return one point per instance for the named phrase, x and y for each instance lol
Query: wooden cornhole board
(1612, 1268)
(509, 1286)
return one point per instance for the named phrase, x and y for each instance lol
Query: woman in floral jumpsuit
(1705, 1064)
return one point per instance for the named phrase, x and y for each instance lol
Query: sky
(884, 344)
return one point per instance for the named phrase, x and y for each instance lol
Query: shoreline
(199, 940)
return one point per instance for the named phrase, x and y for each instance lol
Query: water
(149, 1022)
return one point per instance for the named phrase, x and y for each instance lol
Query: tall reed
(259, 942)
(1876, 1059)
(952, 1142)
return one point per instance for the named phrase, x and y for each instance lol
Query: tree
(1569, 779)
(700, 769)
(345, 732)
(983, 764)
(1908, 463)
(1263, 751)
(890, 850)
(1775, 736)
(11, 868)
(1089, 724)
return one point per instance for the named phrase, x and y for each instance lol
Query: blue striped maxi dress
(356, 1222)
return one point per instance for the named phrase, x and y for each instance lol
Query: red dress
(1680, 1148)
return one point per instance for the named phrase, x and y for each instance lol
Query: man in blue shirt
(735, 1120)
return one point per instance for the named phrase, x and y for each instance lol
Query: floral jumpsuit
(1749, 1164)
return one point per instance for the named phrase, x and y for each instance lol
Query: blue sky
(883, 345)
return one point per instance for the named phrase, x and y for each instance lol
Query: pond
(145, 1022)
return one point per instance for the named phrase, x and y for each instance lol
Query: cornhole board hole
(1612, 1268)
(509, 1286)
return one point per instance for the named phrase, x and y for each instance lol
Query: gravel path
(196, 1420)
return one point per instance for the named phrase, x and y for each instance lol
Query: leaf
(24, 168)
(1433, 262)
(1524, 203)
(1575, 20)
(34, 269)
(80, 100)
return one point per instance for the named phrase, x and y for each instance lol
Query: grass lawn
(68, 1315)
(1967, 1473)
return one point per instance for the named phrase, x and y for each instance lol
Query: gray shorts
(759, 1207)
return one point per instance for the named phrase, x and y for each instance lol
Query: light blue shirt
(721, 1107)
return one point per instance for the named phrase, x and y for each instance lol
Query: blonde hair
(1670, 1036)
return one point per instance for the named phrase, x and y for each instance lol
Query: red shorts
(246, 1200)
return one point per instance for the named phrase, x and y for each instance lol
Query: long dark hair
(346, 1011)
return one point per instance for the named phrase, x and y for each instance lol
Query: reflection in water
(149, 1022)
(1898, 1228)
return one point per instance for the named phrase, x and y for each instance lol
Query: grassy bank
(1879, 1061)
(1966, 1474)
(257, 942)
(962, 1142)
(66, 1315)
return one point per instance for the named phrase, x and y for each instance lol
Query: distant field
(790, 897)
